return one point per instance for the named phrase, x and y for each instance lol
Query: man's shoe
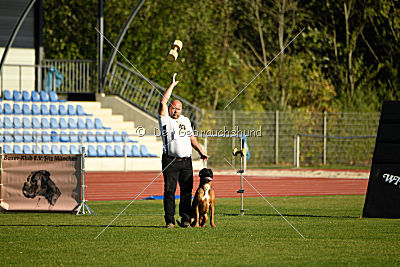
(170, 225)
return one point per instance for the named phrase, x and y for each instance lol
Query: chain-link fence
(335, 139)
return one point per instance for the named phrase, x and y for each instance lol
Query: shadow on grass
(290, 215)
(80, 225)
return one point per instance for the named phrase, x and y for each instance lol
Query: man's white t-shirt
(175, 134)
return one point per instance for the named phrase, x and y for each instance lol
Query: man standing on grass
(178, 140)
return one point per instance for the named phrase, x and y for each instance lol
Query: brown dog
(204, 200)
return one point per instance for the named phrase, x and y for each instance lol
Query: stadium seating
(26, 96)
(26, 110)
(17, 110)
(35, 96)
(17, 97)
(41, 123)
(62, 110)
(17, 149)
(7, 95)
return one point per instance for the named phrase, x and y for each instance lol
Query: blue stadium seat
(64, 137)
(72, 123)
(128, 151)
(53, 109)
(45, 123)
(110, 151)
(145, 153)
(1, 123)
(26, 123)
(55, 137)
(82, 137)
(63, 123)
(99, 125)
(44, 97)
(81, 124)
(135, 151)
(35, 123)
(27, 137)
(46, 138)
(74, 149)
(126, 135)
(35, 96)
(37, 149)
(7, 109)
(118, 151)
(46, 149)
(17, 97)
(35, 109)
(1, 108)
(109, 137)
(55, 149)
(8, 137)
(36, 136)
(64, 149)
(91, 137)
(44, 109)
(91, 151)
(73, 137)
(1, 137)
(54, 123)
(17, 110)
(17, 149)
(27, 149)
(71, 110)
(62, 110)
(117, 137)
(100, 137)
(26, 109)
(17, 123)
(89, 124)
(81, 112)
(53, 96)
(18, 137)
(7, 124)
(26, 96)
(100, 151)
(7, 149)
(7, 95)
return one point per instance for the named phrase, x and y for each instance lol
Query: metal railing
(78, 76)
(133, 87)
(344, 139)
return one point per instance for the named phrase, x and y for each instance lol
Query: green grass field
(335, 235)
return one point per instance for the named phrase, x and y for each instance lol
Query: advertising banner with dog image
(41, 182)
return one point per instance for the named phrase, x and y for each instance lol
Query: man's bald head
(175, 109)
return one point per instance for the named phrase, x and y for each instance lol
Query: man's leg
(170, 179)
(186, 187)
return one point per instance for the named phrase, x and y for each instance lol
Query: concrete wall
(129, 112)
(15, 78)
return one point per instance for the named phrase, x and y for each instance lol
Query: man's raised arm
(163, 108)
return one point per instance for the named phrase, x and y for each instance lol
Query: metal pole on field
(276, 136)
(324, 159)
(233, 139)
(298, 151)
(294, 151)
(84, 208)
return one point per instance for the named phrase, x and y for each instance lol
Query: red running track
(131, 185)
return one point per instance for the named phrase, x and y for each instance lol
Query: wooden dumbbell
(173, 53)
